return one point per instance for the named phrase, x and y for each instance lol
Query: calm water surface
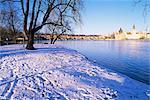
(131, 58)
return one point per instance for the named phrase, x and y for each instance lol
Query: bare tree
(39, 13)
(145, 4)
(10, 20)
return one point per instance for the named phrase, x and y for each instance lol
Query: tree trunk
(30, 42)
(52, 38)
(14, 40)
(58, 36)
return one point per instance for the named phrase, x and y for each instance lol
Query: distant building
(148, 36)
(122, 35)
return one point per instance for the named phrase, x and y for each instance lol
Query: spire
(133, 30)
(133, 26)
(120, 30)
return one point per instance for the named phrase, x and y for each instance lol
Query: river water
(129, 57)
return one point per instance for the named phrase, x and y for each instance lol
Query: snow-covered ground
(56, 73)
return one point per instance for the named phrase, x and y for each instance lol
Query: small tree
(57, 31)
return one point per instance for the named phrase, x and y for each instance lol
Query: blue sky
(107, 16)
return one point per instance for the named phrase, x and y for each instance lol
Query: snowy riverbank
(52, 71)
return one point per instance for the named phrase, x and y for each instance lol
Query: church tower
(133, 30)
(120, 30)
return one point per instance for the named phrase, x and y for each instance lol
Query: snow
(55, 72)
